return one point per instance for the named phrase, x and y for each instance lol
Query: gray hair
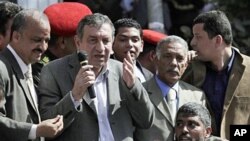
(195, 109)
(168, 40)
(95, 20)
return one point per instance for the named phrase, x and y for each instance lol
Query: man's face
(32, 41)
(127, 39)
(190, 128)
(172, 62)
(201, 43)
(97, 42)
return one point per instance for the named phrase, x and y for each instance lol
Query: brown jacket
(236, 108)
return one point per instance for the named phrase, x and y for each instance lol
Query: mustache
(38, 49)
(173, 71)
(185, 136)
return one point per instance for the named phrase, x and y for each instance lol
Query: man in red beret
(146, 58)
(63, 18)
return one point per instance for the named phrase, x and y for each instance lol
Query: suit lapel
(183, 95)
(235, 77)
(157, 99)
(20, 77)
(74, 66)
(113, 94)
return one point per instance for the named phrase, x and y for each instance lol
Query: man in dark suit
(19, 116)
(171, 62)
(128, 38)
(121, 103)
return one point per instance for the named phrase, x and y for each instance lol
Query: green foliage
(239, 15)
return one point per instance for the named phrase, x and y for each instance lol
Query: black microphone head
(82, 57)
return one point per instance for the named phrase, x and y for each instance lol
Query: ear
(1, 40)
(208, 132)
(113, 42)
(218, 40)
(152, 55)
(77, 42)
(16, 36)
(60, 43)
(142, 45)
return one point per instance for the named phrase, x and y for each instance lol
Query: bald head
(28, 18)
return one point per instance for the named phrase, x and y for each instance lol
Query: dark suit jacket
(128, 109)
(146, 73)
(163, 125)
(237, 98)
(19, 111)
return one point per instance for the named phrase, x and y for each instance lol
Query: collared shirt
(165, 88)
(24, 69)
(215, 86)
(101, 104)
(105, 132)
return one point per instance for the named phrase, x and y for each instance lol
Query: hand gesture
(191, 55)
(50, 128)
(84, 79)
(128, 71)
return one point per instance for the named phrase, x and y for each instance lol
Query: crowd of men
(130, 84)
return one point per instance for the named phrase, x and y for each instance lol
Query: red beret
(64, 17)
(152, 36)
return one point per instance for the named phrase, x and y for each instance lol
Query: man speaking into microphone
(121, 103)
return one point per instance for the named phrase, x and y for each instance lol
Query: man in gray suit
(19, 116)
(171, 62)
(121, 103)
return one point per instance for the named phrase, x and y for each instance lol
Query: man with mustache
(63, 25)
(19, 116)
(171, 62)
(128, 38)
(193, 123)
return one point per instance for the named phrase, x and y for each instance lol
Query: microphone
(83, 59)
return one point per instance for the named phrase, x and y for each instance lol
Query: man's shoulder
(63, 61)
(214, 138)
(186, 86)
(112, 63)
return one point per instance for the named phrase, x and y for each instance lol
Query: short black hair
(216, 23)
(127, 22)
(195, 109)
(7, 11)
